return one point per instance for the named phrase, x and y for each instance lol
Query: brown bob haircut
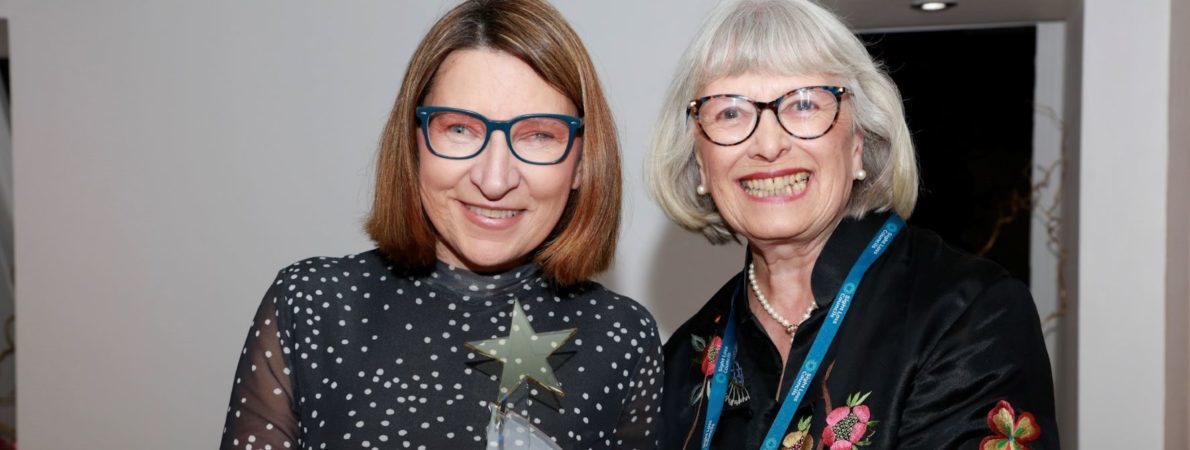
(584, 240)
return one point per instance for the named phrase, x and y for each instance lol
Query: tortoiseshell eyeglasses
(807, 113)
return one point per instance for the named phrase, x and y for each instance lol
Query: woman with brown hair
(474, 323)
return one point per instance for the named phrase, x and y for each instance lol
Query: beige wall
(1066, 391)
(1177, 408)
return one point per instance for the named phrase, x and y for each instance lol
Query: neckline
(844, 246)
(479, 285)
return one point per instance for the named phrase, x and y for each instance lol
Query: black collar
(843, 248)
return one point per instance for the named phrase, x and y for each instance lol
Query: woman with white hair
(846, 327)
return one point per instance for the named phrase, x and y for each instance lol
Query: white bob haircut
(785, 37)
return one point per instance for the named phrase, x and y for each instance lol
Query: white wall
(1125, 149)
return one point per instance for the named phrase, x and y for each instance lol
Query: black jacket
(940, 350)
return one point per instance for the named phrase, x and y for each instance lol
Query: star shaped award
(524, 355)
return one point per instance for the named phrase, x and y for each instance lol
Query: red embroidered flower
(847, 425)
(1010, 433)
(709, 356)
(704, 364)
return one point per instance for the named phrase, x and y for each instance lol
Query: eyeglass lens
(536, 139)
(805, 113)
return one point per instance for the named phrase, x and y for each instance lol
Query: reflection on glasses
(807, 113)
(454, 133)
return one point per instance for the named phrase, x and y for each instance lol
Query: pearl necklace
(790, 328)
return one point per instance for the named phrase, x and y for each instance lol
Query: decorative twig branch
(1050, 214)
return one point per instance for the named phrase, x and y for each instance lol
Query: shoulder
(949, 287)
(326, 280)
(938, 271)
(334, 269)
(353, 264)
(933, 259)
(623, 311)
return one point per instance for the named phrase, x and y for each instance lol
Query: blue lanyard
(722, 369)
(822, 343)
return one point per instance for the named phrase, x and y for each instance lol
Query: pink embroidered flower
(709, 356)
(846, 426)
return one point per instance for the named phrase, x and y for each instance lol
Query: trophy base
(508, 430)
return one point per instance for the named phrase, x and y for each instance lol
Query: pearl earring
(861, 174)
(701, 190)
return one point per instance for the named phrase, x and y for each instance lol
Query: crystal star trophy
(524, 355)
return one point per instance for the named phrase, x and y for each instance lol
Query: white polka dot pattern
(350, 353)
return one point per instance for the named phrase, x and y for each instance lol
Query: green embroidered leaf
(804, 423)
(698, 342)
(696, 395)
(862, 398)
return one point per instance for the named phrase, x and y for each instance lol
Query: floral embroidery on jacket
(800, 439)
(847, 426)
(1010, 433)
(737, 393)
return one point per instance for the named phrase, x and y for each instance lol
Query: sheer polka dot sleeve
(640, 423)
(261, 414)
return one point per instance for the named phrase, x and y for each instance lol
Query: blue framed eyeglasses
(541, 139)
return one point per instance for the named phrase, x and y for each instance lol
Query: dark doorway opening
(969, 102)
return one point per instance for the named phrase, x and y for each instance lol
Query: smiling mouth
(776, 186)
(495, 213)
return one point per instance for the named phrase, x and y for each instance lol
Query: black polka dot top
(350, 353)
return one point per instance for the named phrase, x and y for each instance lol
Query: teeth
(769, 187)
(494, 213)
